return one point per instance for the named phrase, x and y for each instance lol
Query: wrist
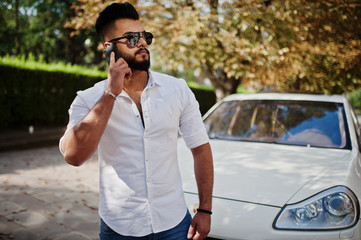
(200, 210)
(110, 94)
(205, 204)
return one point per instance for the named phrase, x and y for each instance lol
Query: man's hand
(200, 226)
(118, 72)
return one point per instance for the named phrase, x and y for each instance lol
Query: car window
(356, 125)
(319, 124)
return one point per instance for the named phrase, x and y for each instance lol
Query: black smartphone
(112, 48)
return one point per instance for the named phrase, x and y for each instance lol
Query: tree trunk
(17, 34)
(223, 85)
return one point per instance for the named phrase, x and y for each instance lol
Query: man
(133, 119)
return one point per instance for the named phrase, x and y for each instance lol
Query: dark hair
(111, 13)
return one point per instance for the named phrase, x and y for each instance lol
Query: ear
(107, 44)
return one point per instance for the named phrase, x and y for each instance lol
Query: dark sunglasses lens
(148, 37)
(133, 39)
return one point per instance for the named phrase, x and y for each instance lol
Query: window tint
(320, 124)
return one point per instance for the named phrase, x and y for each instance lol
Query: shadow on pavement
(24, 139)
(13, 161)
(42, 197)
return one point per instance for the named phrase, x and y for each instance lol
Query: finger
(121, 61)
(191, 232)
(198, 236)
(123, 66)
(112, 58)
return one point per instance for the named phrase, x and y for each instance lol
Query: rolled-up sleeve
(82, 105)
(77, 112)
(191, 124)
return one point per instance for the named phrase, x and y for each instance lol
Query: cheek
(125, 54)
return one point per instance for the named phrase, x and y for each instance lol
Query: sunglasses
(134, 37)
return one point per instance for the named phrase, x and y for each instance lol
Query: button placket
(145, 110)
(133, 106)
(136, 112)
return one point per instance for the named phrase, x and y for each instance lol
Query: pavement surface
(42, 197)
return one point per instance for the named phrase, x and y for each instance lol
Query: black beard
(137, 65)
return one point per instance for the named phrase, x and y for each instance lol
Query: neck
(137, 82)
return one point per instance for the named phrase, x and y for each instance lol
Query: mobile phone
(112, 48)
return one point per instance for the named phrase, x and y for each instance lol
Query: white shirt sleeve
(77, 112)
(82, 105)
(191, 123)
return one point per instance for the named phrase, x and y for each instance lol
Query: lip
(142, 52)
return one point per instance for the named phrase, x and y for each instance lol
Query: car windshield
(306, 123)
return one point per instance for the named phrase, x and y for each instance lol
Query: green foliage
(37, 27)
(355, 99)
(295, 45)
(30, 63)
(205, 98)
(36, 93)
(35, 96)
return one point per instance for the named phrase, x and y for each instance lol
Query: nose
(142, 42)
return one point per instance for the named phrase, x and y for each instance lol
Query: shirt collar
(153, 81)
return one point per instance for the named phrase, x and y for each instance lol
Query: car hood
(260, 173)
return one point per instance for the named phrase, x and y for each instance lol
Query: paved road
(42, 197)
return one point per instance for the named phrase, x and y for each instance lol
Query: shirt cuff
(196, 139)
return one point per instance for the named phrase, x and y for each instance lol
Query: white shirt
(140, 183)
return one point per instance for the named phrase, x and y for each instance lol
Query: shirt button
(146, 115)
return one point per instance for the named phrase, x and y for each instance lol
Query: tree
(274, 44)
(320, 45)
(37, 27)
(10, 30)
(17, 40)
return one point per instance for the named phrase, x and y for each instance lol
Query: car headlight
(335, 208)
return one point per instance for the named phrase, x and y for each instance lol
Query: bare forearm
(203, 167)
(81, 141)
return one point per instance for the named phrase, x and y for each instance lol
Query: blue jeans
(177, 233)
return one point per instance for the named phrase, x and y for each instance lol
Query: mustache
(140, 50)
